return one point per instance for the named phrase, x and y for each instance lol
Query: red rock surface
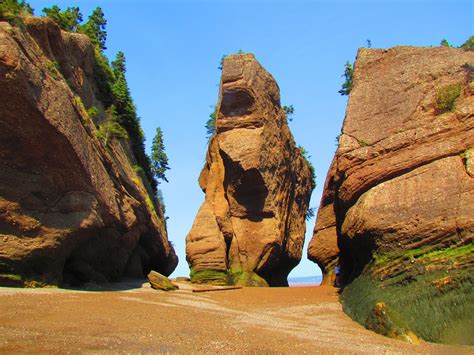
(70, 208)
(401, 176)
(250, 229)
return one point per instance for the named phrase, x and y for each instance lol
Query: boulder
(70, 208)
(397, 208)
(250, 228)
(160, 282)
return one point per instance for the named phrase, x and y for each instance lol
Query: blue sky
(173, 49)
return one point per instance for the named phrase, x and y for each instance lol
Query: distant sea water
(305, 281)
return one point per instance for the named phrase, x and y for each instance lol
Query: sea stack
(250, 228)
(72, 209)
(397, 211)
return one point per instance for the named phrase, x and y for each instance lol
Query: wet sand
(140, 319)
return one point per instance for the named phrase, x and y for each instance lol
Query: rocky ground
(136, 318)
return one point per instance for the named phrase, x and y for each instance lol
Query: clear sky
(173, 49)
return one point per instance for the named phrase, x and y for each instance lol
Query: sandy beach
(136, 318)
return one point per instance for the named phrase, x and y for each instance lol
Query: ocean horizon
(305, 280)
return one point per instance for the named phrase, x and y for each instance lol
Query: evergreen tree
(68, 19)
(128, 118)
(348, 74)
(159, 159)
(95, 28)
(118, 65)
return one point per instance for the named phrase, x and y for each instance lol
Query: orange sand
(139, 319)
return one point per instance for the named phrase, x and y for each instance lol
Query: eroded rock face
(400, 185)
(400, 177)
(250, 228)
(71, 210)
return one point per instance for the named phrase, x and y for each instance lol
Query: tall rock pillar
(250, 228)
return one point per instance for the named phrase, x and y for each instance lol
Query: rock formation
(397, 208)
(250, 228)
(71, 209)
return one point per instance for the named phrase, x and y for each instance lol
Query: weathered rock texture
(399, 187)
(70, 209)
(250, 228)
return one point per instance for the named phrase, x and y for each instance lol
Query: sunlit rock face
(250, 228)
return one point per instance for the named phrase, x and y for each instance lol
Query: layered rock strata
(397, 207)
(71, 209)
(250, 228)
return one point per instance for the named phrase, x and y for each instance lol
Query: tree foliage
(444, 43)
(289, 111)
(306, 157)
(348, 75)
(221, 63)
(310, 213)
(10, 9)
(110, 128)
(118, 65)
(127, 116)
(68, 20)
(159, 159)
(446, 97)
(469, 44)
(211, 123)
(95, 28)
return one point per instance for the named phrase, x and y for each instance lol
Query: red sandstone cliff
(71, 209)
(400, 187)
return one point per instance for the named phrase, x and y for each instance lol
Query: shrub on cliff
(211, 123)
(306, 157)
(469, 44)
(446, 97)
(444, 43)
(110, 128)
(347, 84)
(289, 111)
(11, 9)
(68, 19)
